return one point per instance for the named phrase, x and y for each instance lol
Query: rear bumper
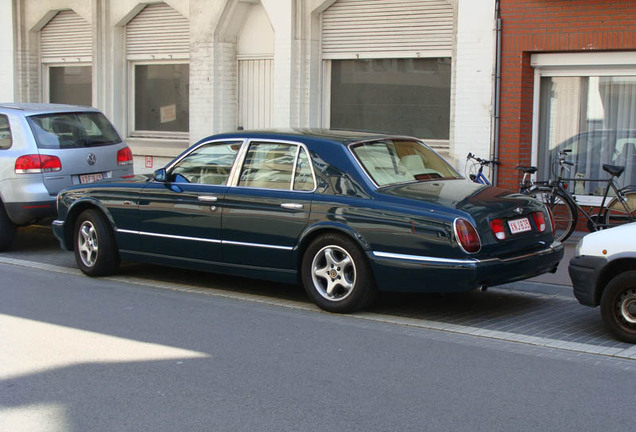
(25, 213)
(584, 272)
(396, 272)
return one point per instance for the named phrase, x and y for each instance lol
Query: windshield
(398, 161)
(72, 130)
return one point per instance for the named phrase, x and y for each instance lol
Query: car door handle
(207, 198)
(292, 206)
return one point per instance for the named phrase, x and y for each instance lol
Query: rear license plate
(90, 178)
(519, 225)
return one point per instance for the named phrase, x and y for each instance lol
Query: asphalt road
(141, 352)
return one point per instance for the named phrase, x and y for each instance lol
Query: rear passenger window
(5, 132)
(268, 166)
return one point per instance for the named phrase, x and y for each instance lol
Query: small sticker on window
(168, 113)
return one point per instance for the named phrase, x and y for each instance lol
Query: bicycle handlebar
(482, 161)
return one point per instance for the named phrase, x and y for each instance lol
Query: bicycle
(476, 168)
(615, 209)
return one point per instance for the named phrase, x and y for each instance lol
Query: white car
(603, 272)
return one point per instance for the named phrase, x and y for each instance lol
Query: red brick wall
(533, 26)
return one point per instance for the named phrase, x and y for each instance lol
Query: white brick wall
(6, 52)
(474, 80)
(214, 28)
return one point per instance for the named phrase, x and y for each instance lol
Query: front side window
(392, 161)
(5, 133)
(72, 130)
(402, 96)
(71, 85)
(207, 164)
(161, 98)
(595, 118)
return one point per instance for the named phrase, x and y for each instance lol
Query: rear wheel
(563, 213)
(618, 306)
(7, 229)
(95, 249)
(616, 213)
(336, 275)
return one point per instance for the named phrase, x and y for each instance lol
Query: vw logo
(91, 159)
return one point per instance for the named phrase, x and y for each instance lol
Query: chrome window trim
(392, 137)
(248, 142)
(240, 141)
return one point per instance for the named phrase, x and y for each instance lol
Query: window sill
(162, 147)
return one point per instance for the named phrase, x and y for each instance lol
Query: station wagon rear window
(72, 130)
(400, 161)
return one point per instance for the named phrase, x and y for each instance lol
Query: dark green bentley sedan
(344, 213)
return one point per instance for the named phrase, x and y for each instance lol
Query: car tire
(618, 306)
(94, 243)
(336, 274)
(7, 230)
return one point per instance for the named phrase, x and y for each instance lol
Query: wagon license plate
(519, 225)
(90, 178)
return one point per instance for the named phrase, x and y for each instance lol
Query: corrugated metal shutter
(387, 28)
(67, 37)
(158, 31)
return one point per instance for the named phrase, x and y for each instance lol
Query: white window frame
(46, 77)
(575, 65)
(133, 133)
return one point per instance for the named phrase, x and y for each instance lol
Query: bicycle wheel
(563, 212)
(616, 213)
(471, 169)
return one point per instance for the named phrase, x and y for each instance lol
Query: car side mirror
(161, 175)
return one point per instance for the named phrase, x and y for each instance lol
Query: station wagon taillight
(467, 236)
(539, 221)
(36, 163)
(497, 226)
(124, 156)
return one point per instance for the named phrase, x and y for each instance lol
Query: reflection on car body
(347, 214)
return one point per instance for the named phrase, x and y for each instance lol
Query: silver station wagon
(47, 147)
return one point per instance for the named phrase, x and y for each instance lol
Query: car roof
(44, 108)
(333, 135)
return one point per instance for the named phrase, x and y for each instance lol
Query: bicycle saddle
(527, 169)
(613, 169)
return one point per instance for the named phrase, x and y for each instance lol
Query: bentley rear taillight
(539, 221)
(497, 226)
(467, 236)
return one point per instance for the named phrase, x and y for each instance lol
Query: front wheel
(562, 212)
(95, 248)
(616, 213)
(336, 275)
(618, 306)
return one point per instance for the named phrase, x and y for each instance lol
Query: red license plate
(519, 225)
(90, 178)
